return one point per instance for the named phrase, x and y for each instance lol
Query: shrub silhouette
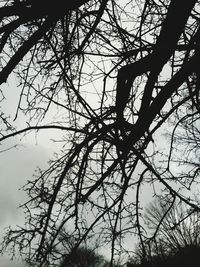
(184, 257)
(83, 257)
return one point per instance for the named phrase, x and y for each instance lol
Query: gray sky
(16, 165)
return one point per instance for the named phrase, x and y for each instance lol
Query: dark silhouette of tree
(83, 258)
(115, 73)
(173, 230)
(187, 256)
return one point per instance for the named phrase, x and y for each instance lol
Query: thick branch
(144, 121)
(23, 50)
(165, 45)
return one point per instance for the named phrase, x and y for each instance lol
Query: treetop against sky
(115, 84)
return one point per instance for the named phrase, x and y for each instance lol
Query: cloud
(6, 262)
(16, 166)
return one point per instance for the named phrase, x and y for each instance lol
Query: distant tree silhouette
(83, 257)
(187, 256)
(173, 230)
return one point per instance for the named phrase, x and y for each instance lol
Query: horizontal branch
(45, 127)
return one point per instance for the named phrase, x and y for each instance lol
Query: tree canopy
(117, 79)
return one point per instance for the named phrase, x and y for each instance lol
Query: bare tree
(173, 235)
(83, 258)
(172, 227)
(116, 72)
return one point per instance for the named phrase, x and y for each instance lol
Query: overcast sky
(17, 165)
